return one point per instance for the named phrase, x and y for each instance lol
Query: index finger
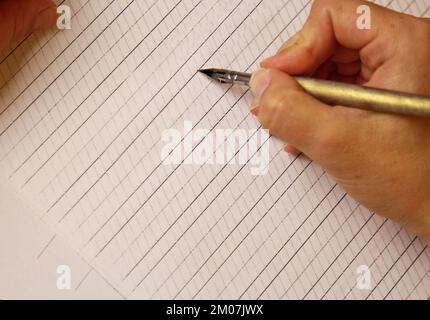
(332, 25)
(20, 17)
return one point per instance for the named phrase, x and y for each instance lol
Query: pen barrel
(335, 93)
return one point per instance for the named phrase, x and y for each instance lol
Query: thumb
(297, 118)
(20, 17)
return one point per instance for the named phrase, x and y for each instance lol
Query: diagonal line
(354, 258)
(406, 271)
(68, 66)
(338, 255)
(37, 51)
(380, 254)
(279, 224)
(90, 95)
(160, 184)
(135, 139)
(146, 178)
(391, 268)
(213, 127)
(302, 245)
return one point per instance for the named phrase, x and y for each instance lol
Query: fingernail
(264, 62)
(45, 19)
(260, 81)
(255, 110)
(291, 150)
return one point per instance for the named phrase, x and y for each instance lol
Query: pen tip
(207, 72)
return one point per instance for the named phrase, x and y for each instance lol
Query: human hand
(381, 160)
(20, 17)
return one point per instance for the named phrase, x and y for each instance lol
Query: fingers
(295, 117)
(20, 17)
(291, 150)
(349, 69)
(325, 70)
(339, 71)
(344, 55)
(331, 31)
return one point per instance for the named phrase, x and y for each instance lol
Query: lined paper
(81, 122)
(30, 254)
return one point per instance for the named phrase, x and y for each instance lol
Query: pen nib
(227, 76)
(208, 72)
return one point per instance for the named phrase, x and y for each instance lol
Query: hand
(381, 160)
(20, 17)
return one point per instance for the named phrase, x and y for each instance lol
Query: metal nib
(227, 76)
(208, 72)
(211, 73)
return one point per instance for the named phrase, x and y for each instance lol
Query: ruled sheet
(81, 123)
(31, 253)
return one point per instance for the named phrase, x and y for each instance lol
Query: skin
(381, 160)
(20, 17)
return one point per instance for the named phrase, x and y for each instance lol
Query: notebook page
(32, 258)
(83, 115)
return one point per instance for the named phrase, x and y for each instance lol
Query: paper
(31, 256)
(83, 114)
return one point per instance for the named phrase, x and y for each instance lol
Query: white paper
(83, 113)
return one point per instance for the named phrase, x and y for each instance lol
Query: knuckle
(282, 117)
(318, 4)
(269, 115)
(278, 111)
(327, 6)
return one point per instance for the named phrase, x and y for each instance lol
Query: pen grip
(336, 93)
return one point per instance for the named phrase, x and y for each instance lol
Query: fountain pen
(348, 95)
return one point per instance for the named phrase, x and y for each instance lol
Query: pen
(337, 93)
